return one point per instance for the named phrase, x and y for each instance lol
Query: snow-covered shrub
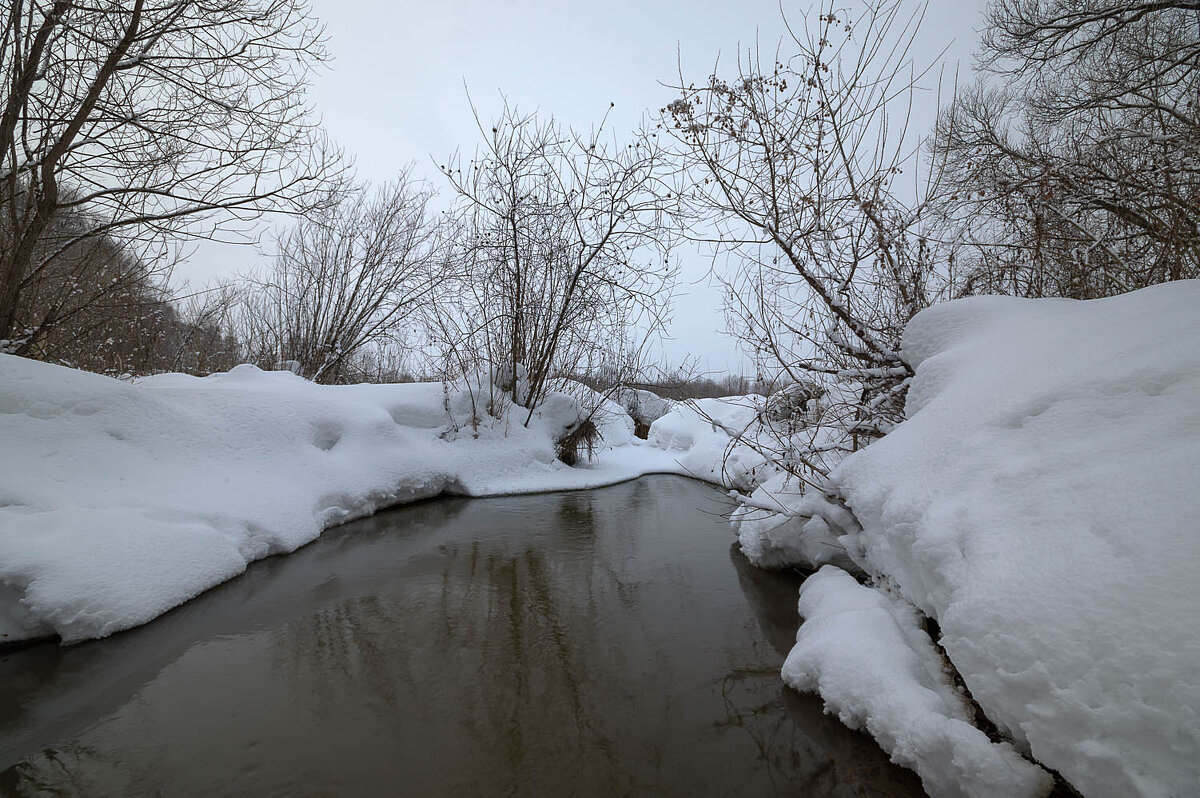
(556, 274)
(643, 407)
(472, 401)
(794, 404)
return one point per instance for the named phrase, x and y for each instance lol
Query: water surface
(591, 643)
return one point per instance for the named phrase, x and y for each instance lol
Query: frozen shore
(120, 501)
(1040, 504)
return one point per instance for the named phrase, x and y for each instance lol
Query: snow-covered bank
(876, 669)
(119, 501)
(704, 433)
(1040, 503)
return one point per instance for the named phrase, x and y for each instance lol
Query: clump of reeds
(585, 435)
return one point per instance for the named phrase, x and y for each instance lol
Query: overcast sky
(394, 92)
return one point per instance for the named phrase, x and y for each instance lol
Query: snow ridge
(868, 657)
(1040, 502)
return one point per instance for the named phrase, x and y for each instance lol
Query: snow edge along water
(121, 501)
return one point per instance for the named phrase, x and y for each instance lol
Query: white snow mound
(876, 669)
(1041, 503)
(704, 435)
(778, 526)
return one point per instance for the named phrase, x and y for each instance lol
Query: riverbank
(1039, 504)
(119, 501)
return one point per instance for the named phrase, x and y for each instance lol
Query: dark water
(593, 643)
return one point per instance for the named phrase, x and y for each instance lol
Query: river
(599, 642)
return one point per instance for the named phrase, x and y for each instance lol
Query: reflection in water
(563, 644)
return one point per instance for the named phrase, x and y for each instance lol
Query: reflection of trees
(772, 596)
(70, 769)
(802, 750)
(508, 650)
(343, 648)
(509, 626)
(538, 701)
(640, 495)
(577, 513)
(856, 764)
(536, 666)
(753, 706)
(407, 520)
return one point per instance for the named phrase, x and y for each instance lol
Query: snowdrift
(782, 521)
(120, 501)
(705, 434)
(870, 659)
(1040, 502)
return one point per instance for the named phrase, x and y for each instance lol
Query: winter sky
(395, 92)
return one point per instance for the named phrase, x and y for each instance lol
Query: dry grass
(585, 435)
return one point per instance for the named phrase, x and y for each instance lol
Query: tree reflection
(588, 643)
(72, 769)
(501, 638)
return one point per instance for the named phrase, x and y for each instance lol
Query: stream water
(591, 643)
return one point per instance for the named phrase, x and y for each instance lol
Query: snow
(876, 669)
(785, 521)
(120, 501)
(642, 406)
(778, 526)
(1040, 503)
(704, 433)
(610, 417)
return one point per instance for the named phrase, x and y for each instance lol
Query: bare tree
(1080, 176)
(563, 245)
(344, 281)
(100, 333)
(206, 341)
(138, 122)
(791, 172)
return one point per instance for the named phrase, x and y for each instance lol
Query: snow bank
(784, 521)
(876, 669)
(643, 407)
(119, 501)
(703, 433)
(1041, 503)
(615, 425)
(779, 526)
(779, 522)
